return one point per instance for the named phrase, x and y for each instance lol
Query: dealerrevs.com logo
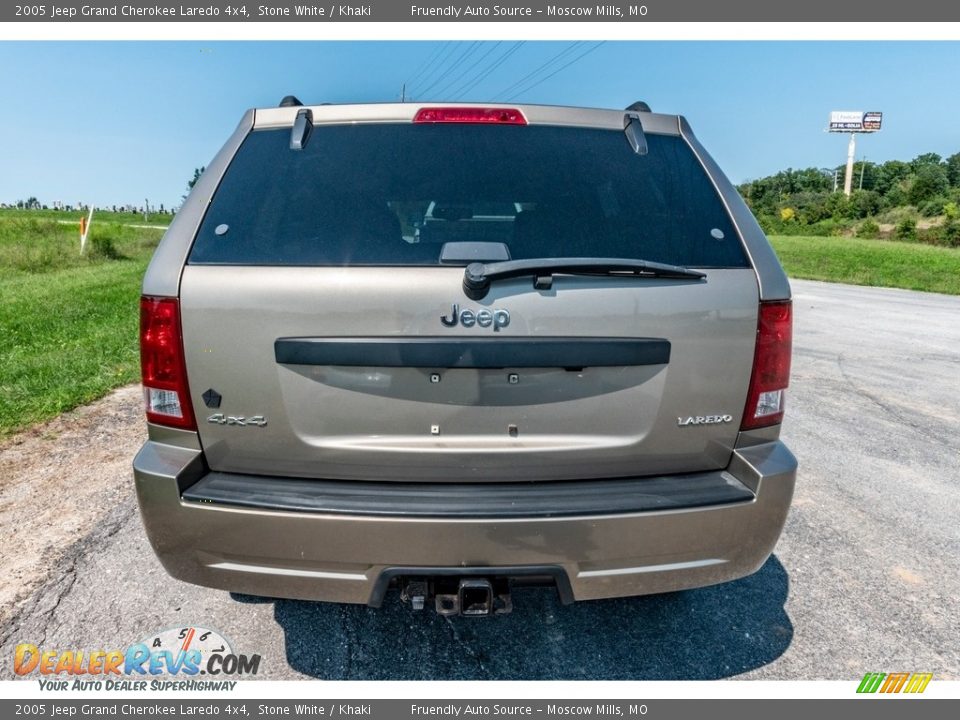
(168, 660)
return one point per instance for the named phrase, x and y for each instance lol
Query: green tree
(812, 206)
(953, 170)
(894, 197)
(925, 159)
(197, 172)
(864, 203)
(928, 182)
(868, 229)
(906, 229)
(951, 233)
(813, 180)
(890, 174)
(840, 206)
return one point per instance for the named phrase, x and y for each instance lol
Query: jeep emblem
(484, 318)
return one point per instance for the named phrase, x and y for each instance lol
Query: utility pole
(863, 165)
(403, 93)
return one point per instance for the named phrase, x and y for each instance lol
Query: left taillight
(162, 367)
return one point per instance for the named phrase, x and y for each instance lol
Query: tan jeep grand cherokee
(458, 349)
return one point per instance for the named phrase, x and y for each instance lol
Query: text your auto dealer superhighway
(131, 11)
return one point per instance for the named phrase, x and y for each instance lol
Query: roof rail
(639, 106)
(290, 101)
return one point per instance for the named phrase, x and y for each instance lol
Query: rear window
(391, 194)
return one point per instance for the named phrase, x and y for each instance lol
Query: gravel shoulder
(58, 482)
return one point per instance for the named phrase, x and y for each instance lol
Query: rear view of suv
(459, 349)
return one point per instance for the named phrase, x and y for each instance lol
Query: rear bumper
(340, 550)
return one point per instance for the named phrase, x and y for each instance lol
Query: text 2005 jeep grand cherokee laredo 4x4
(455, 350)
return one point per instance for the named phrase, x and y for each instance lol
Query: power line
(448, 50)
(425, 64)
(485, 73)
(562, 67)
(539, 69)
(430, 65)
(472, 66)
(471, 48)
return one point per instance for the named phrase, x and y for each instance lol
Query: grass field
(68, 323)
(882, 263)
(73, 216)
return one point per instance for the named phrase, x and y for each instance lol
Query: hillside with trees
(917, 200)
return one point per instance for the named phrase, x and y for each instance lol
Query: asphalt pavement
(865, 578)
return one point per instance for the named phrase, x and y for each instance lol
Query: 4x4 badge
(484, 318)
(221, 419)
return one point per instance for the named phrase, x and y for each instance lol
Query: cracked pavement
(866, 576)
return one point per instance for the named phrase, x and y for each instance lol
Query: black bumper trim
(471, 500)
(469, 352)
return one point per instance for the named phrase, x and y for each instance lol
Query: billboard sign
(855, 121)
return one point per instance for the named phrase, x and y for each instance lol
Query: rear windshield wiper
(478, 276)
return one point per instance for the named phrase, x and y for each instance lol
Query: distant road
(149, 227)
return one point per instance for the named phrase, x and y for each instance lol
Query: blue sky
(114, 123)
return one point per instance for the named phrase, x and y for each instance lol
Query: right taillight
(162, 367)
(771, 366)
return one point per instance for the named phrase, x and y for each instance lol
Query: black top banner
(484, 11)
